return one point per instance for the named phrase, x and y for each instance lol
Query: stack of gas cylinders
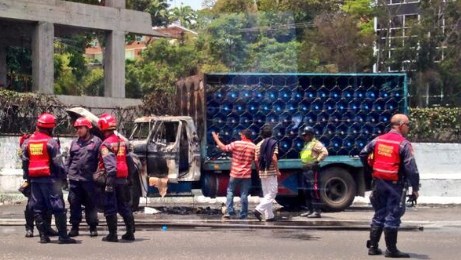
(346, 111)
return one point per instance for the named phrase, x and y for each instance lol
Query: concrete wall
(438, 164)
(102, 102)
(10, 162)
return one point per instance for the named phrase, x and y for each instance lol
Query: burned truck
(346, 111)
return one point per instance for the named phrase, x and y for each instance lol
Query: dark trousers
(82, 193)
(47, 197)
(385, 199)
(312, 189)
(117, 201)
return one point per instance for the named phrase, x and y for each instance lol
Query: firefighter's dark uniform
(81, 165)
(42, 165)
(112, 159)
(392, 165)
(28, 211)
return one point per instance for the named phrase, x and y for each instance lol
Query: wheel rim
(335, 190)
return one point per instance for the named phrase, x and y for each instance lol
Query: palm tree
(185, 15)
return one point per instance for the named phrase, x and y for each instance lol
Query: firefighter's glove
(412, 200)
(25, 188)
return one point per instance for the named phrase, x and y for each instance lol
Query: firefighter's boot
(61, 224)
(74, 230)
(29, 216)
(390, 235)
(49, 231)
(130, 229)
(372, 244)
(93, 231)
(112, 226)
(44, 238)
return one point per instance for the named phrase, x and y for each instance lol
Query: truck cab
(168, 148)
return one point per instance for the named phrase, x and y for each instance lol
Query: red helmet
(82, 121)
(107, 122)
(46, 120)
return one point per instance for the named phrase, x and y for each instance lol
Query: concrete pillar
(114, 65)
(116, 3)
(42, 58)
(3, 67)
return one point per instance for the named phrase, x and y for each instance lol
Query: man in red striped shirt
(243, 155)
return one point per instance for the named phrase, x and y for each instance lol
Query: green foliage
(19, 64)
(93, 82)
(271, 56)
(184, 15)
(158, 10)
(435, 124)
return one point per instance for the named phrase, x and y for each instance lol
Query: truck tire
(337, 189)
(209, 184)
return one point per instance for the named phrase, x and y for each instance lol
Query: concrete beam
(114, 65)
(3, 67)
(101, 103)
(79, 15)
(115, 3)
(42, 58)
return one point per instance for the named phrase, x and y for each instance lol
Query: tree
(19, 64)
(428, 52)
(161, 65)
(158, 10)
(226, 42)
(273, 56)
(184, 15)
(336, 45)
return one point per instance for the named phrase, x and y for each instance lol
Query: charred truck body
(346, 111)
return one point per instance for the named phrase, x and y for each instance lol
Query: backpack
(265, 153)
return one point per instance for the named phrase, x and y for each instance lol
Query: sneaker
(271, 219)
(306, 214)
(315, 215)
(258, 215)
(93, 233)
(226, 216)
(29, 233)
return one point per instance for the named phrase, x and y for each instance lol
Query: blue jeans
(245, 185)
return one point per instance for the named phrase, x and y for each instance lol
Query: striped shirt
(243, 154)
(271, 171)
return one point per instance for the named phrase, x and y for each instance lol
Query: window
(166, 133)
(141, 131)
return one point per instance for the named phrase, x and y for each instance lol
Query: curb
(344, 225)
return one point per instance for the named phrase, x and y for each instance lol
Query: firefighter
(392, 166)
(29, 212)
(113, 161)
(81, 165)
(43, 166)
(311, 155)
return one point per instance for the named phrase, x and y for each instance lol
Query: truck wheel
(337, 190)
(209, 183)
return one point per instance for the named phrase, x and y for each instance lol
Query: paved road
(202, 234)
(209, 243)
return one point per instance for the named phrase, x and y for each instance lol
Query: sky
(195, 4)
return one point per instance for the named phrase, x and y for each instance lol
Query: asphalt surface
(187, 215)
